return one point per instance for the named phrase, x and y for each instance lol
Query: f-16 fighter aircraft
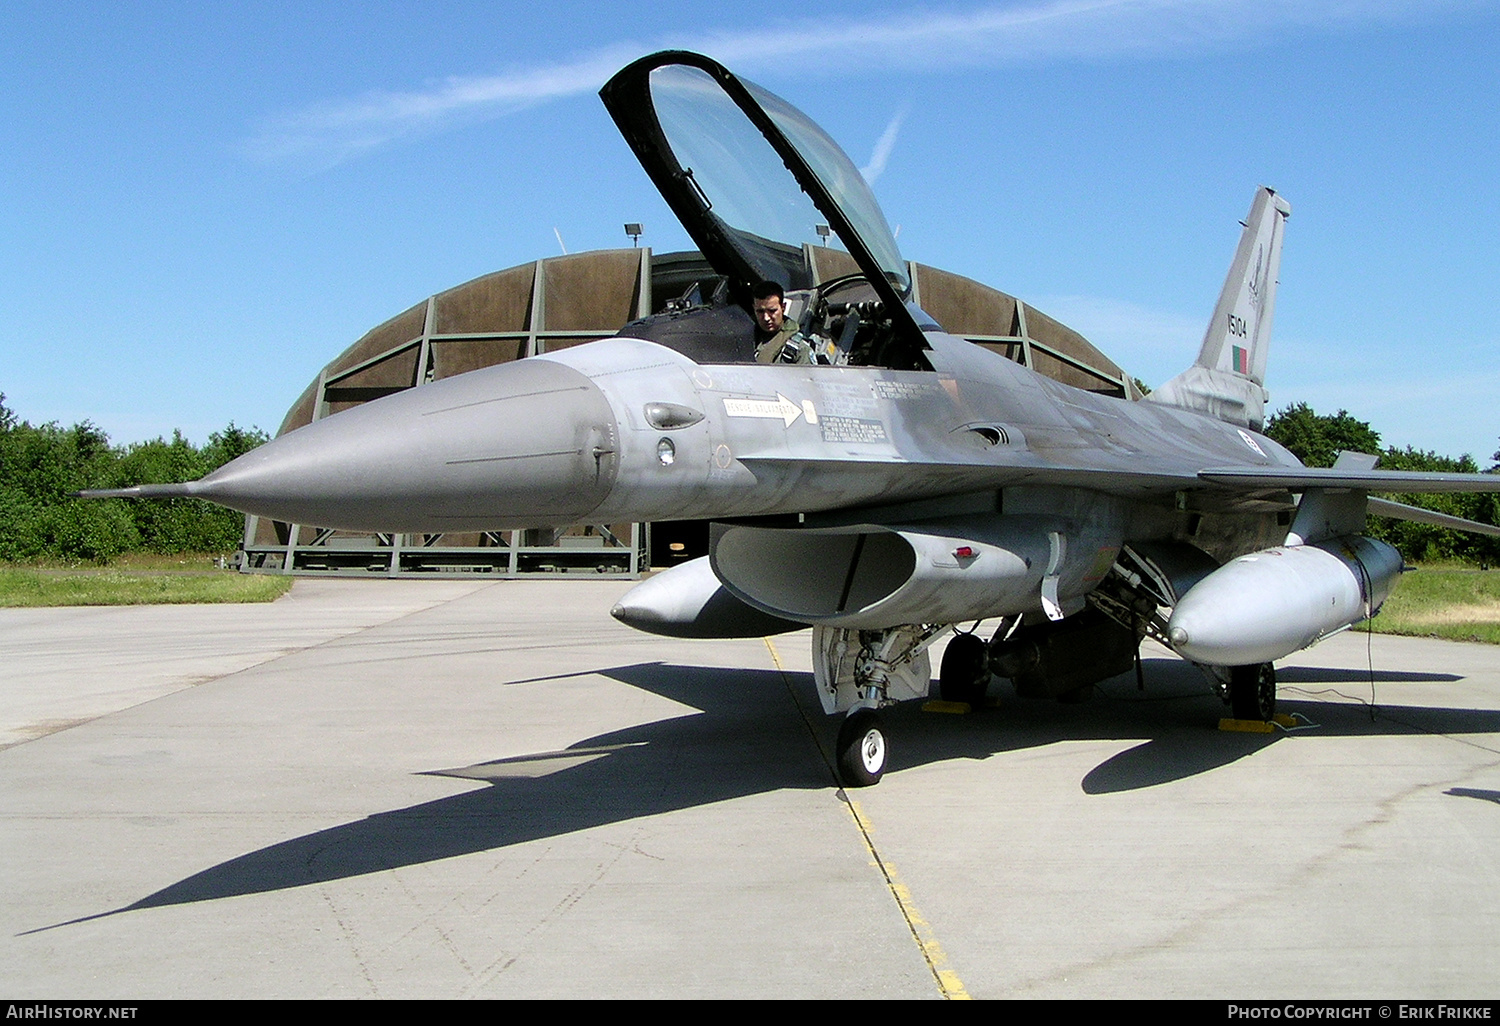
(889, 483)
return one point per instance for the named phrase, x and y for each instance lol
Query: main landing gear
(1252, 692)
(964, 675)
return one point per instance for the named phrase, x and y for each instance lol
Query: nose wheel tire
(1252, 691)
(861, 749)
(965, 672)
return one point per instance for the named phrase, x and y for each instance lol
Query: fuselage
(624, 429)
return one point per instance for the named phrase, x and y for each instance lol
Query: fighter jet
(880, 480)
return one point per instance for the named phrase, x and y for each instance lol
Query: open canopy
(752, 178)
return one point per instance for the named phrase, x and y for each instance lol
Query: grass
(1444, 602)
(139, 578)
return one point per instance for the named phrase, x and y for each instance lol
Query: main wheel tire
(861, 749)
(1252, 691)
(964, 675)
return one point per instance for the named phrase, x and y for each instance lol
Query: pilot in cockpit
(780, 339)
(777, 338)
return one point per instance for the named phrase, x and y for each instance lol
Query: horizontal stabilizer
(1416, 514)
(1298, 479)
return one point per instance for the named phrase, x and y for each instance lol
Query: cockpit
(767, 196)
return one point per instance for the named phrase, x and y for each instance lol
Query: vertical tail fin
(1228, 379)
(1238, 335)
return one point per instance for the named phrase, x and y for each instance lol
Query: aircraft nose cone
(525, 444)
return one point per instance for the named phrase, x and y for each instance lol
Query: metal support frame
(402, 555)
(1029, 345)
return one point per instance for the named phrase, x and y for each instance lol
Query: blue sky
(201, 204)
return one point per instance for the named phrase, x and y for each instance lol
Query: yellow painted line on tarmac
(948, 982)
(775, 655)
(949, 985)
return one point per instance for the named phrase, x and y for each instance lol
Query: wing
(1416, 514)
(1303, 478)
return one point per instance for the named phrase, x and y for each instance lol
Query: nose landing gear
(861, 749)
(861, 671)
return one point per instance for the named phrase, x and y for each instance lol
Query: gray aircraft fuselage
(565, 438)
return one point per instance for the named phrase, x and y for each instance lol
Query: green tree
(1315, 439)
(185, 525)
(41, 465)
(231, 443)
(165, 525)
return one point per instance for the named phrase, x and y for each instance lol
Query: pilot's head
(769, 307)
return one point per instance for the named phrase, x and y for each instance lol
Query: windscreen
(750, 192)
(838, 175)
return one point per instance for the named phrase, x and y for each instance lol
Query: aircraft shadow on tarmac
(752, 736)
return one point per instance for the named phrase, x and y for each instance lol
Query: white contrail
(883, 147)
(329, 133)
(922, 40)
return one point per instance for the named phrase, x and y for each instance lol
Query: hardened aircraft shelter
(563, 301)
